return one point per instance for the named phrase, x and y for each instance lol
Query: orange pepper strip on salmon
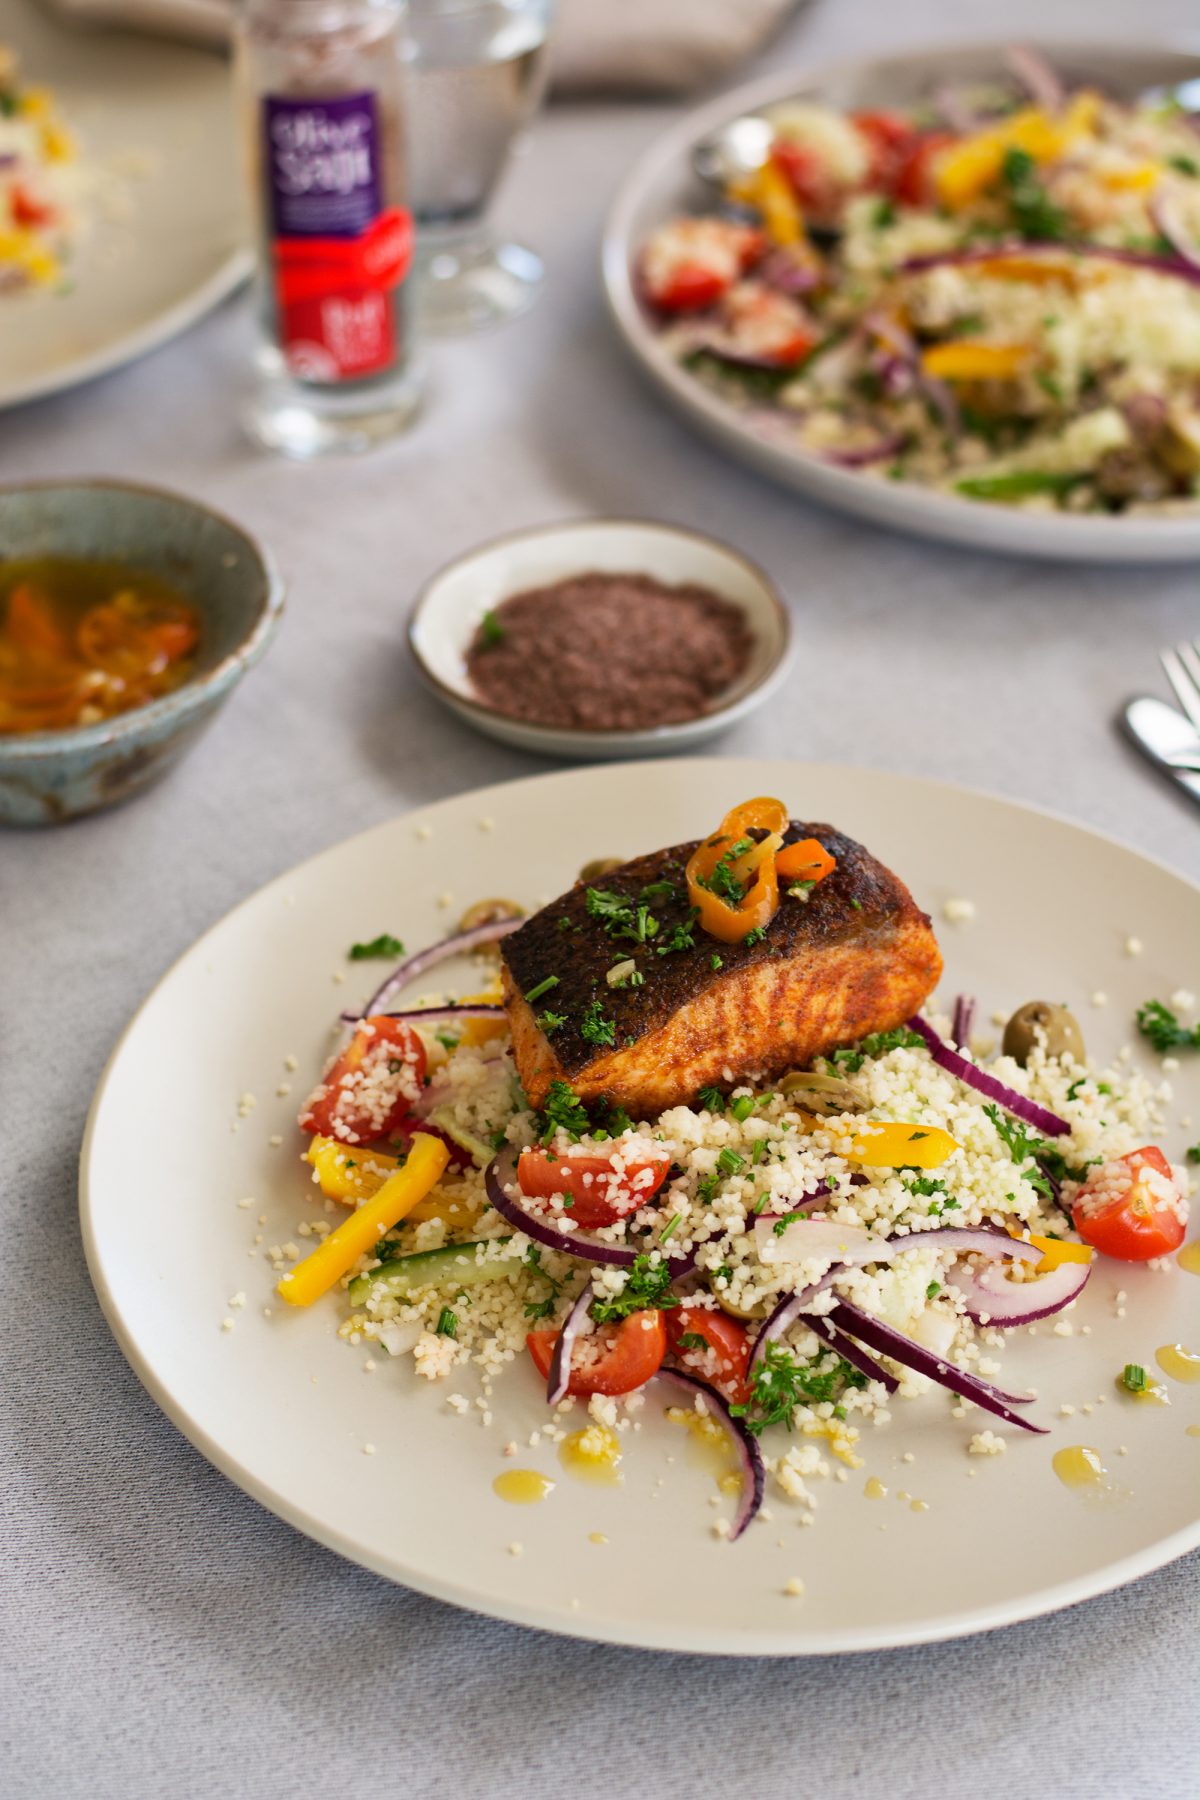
(727, 919)
(360, 1233)
(806, 861)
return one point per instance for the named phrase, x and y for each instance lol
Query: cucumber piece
(449, 1269)
(482, 1153)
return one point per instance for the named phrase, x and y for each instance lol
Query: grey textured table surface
(159, 1633)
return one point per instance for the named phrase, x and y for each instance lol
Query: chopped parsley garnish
(617, 1120)
(543, 987)
(491, 631)
(447, 1325)
(1158, 1023)
(1034, 213)
(935, 1287)
(788, 1218)
(925, 1187)
(669, 1228)
(1186, 165)
(781, 1383)
(594, 1028)
(563, 1111)
(647, 1287)
(550, 1021)
(711, 1099)
(878, 1043)
(655, 892)
(715, 961)
(446, 1039)
(1022, 1144)
(384, 945)
(541, 1309)
(1193, 1153)
(621, 917)
(800, 890)
(1133, 1378)
(722, 881)
(680, 937)
(754, 937)
(883, 214)
(691, 1340)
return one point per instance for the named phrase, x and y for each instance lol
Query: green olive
(599, 868)
(822, 1093)
(490, 912)
(720, 1289)
(1038, 1020)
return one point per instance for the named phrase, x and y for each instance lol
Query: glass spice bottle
(322, 96)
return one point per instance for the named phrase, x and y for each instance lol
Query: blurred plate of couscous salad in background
(738, 1207)
(121, 213)
(957, 292)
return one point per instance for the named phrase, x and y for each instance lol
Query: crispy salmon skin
(858, 956)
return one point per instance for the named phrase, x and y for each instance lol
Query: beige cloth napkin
(599, 46)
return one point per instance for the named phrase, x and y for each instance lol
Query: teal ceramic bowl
(49, 776)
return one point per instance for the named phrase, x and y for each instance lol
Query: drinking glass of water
(477, 72)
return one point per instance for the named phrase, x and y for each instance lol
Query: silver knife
(1169, 740)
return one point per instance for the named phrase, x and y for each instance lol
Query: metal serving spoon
(735, 150)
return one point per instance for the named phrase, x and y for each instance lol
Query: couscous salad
(996, 293)
(800, 1221)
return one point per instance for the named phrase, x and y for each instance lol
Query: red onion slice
(754, 1475)
(879, 451)
(1036, 76)
(862, 1247)
(1046, 1122)
(1166, 220)
(991, 1298)
(1177, 266)
(459, 944)
(784, 1317)
(964, 1017)
(889, 1342)
(559, 1378)
(851, 1352)
(501, 1175)
(419, 1014)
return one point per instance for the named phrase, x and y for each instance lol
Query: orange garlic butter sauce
(522, 1487)
(1189, 1257)
(1078, 1466)
(593, 1454)
(1177, 1362)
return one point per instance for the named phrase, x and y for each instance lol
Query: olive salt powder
(608, 652)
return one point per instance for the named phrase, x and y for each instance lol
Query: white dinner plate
(161, 115)
(285, 1408)
(662, 184)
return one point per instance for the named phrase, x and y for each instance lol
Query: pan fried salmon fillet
(858, 956)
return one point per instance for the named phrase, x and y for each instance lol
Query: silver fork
(1182, 669)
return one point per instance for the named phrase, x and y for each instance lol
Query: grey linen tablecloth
(161, 1635)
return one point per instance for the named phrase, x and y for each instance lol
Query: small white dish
(449, 608)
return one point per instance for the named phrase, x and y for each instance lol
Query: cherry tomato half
(723, 1354)
(687, 264)
(1131, 1208)
(600, 1195)
(617, 1359)
(889, 139)
(369, 1089)
(912, 177)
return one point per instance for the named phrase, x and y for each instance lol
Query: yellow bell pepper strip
(965, 170)
(351, 1175)
(1138, 178)
(478, 1031)
(891, 1145)
(967, 361)
(1054, 1250)
(770, 192)
(731, 879)
(808, 860)
(360, 1233)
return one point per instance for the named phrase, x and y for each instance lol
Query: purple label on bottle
(322, 165)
